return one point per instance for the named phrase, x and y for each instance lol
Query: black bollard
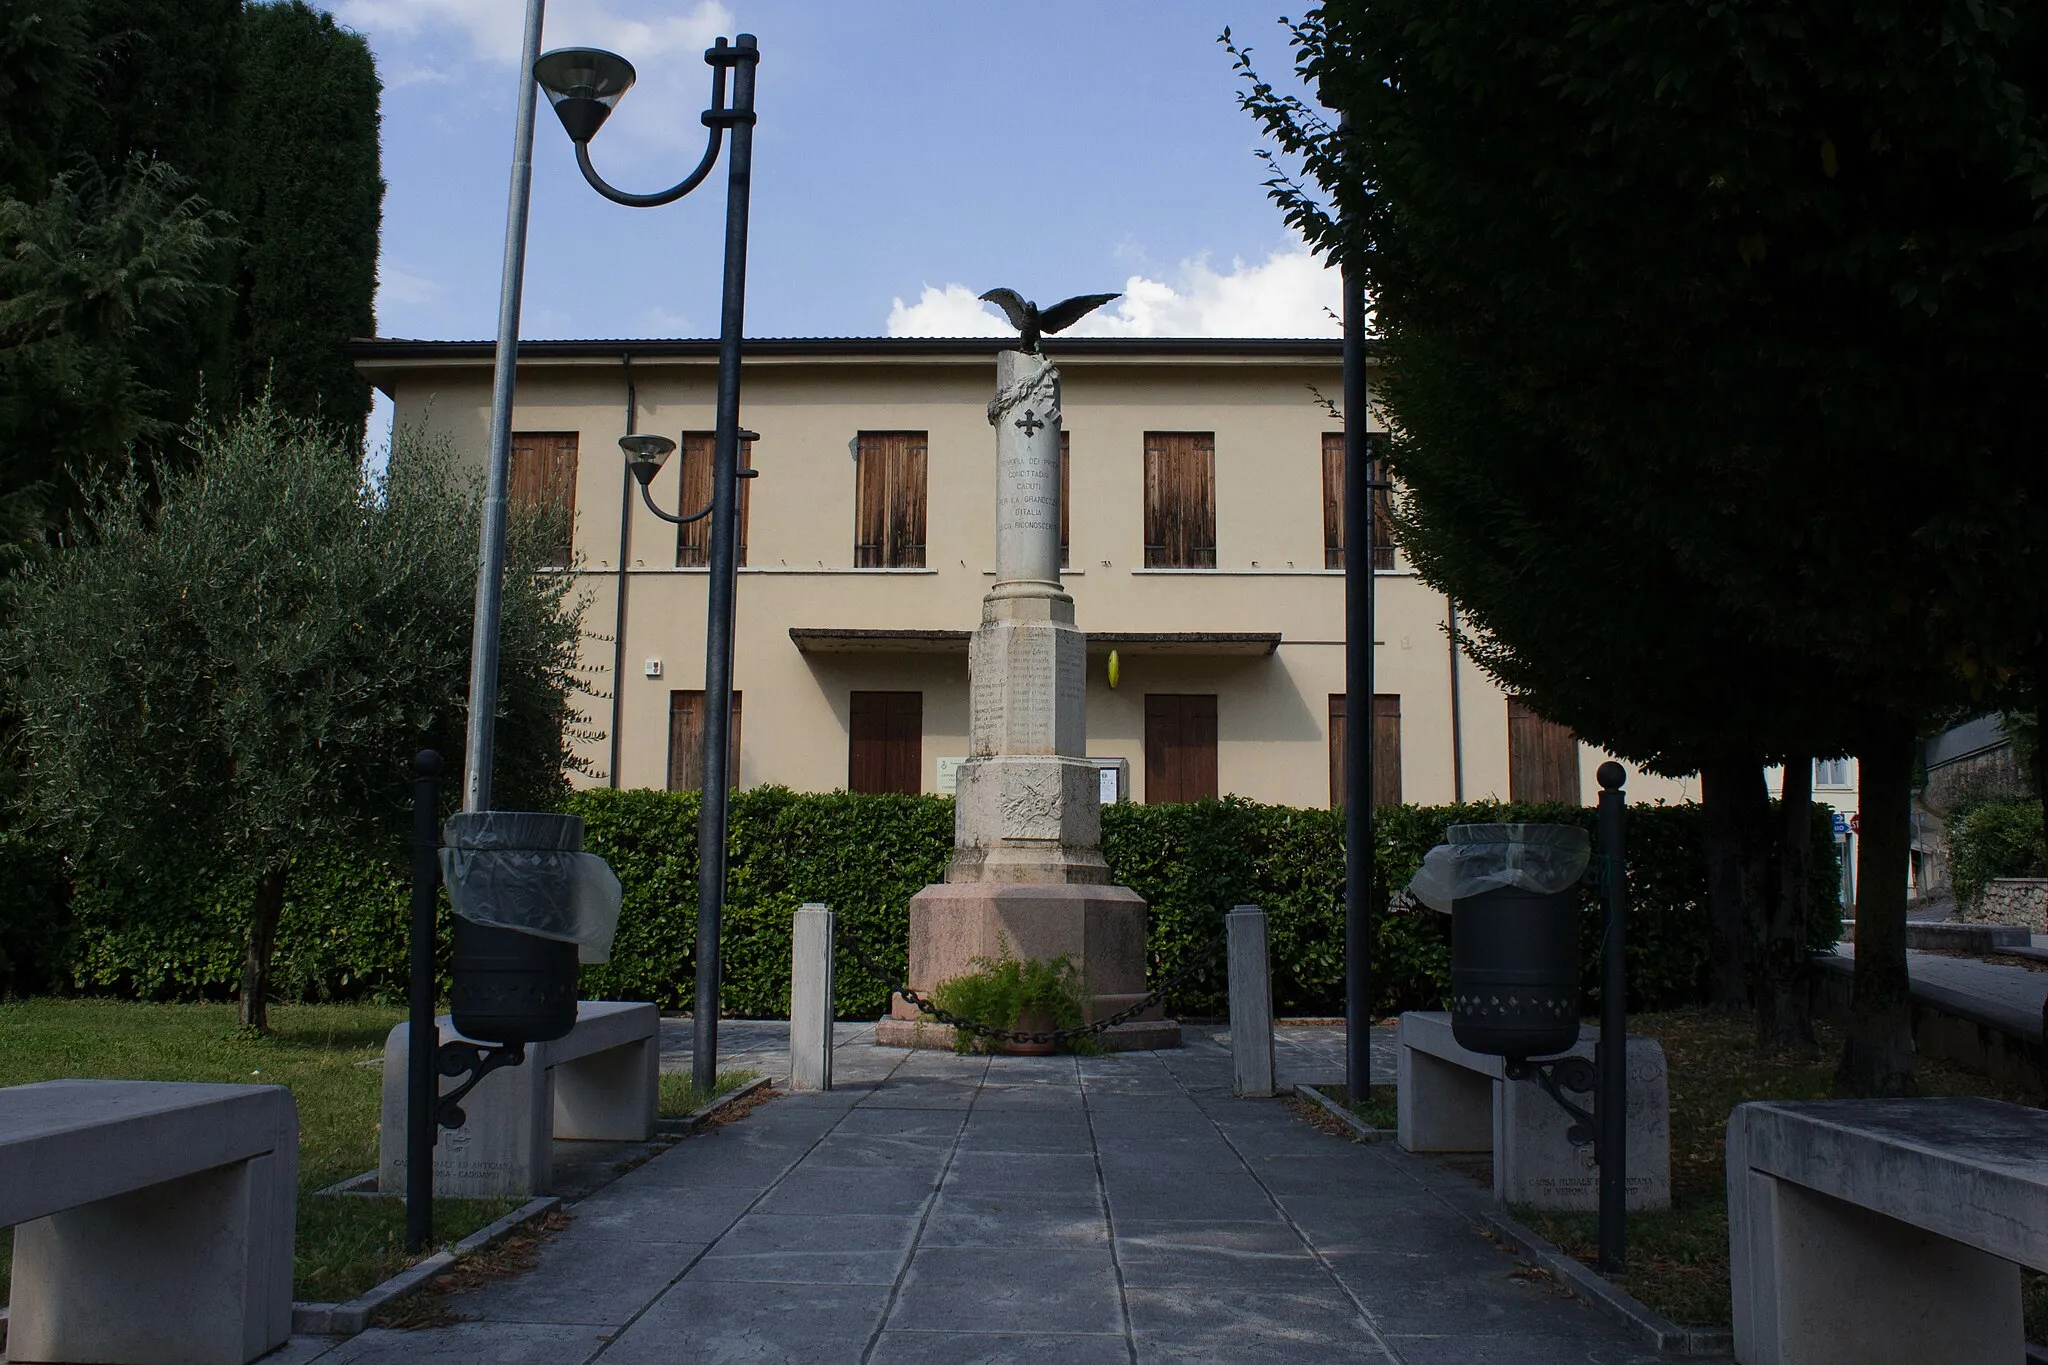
(423, 1043)
(1612, 1106)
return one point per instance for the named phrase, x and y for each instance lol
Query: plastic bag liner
(527, 870)
(1480, 858)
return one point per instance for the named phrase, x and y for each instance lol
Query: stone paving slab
(2005, 996)
(1019, 1211)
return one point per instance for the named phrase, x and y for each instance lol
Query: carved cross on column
(1029, 423)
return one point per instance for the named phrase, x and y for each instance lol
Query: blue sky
(908, 156)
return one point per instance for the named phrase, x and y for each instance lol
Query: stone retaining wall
(2011, 900)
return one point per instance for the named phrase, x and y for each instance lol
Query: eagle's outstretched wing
(1063, 315)
(1013, 306)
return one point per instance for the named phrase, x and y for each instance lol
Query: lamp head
(645, 455)
(583, 83)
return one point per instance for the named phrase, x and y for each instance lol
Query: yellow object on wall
(1115, 669)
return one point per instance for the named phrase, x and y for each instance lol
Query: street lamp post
(584, 84)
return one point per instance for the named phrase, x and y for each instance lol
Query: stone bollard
(810, 998)
(1251, 1003)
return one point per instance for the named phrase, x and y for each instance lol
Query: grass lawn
(1678, 1258)
(345, 1245)
(1379, 1109)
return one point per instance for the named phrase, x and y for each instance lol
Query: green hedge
(343, 933)
(1994, 839)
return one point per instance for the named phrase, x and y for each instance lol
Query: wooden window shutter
(889, 500)
(1162, 749)
(1180, 500)
(1386, 750)
(1180, 747)
(686, 742)
(543, 478)
(693, 539)
(870, 505)
(885, 742)
(1333, 505)
(1543, 757)
(906, 506)
(1333, 514)
(1066, 482)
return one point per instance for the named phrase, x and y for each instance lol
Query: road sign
(1856, 823)
(1841, 823)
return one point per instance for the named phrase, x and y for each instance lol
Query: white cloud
(657, 321)
(447, 41)
(1289, 294)
(950, 312)
(493, 29)
(400, 288)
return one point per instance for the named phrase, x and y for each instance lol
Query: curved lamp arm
(716, 118)
(670, 517)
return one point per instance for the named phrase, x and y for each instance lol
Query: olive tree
(237, 666)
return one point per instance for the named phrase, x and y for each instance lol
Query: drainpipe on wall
(625, 549)
(1457, 714)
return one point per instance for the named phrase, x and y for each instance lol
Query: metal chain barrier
(925, 1005)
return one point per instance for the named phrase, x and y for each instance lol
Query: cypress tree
(307, 196)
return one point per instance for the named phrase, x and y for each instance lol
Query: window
(1180, 747)
(1180, 500)
(888, 519)
(543, 478)
(1386, 750)
(693, 539)
(885, 749)
(1333, 506)
(1832, 772)
(1066, 482)
(1543, 757)
(686, 742)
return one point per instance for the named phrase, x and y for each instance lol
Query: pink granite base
(1102, 928)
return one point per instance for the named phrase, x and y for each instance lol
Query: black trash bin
(510, 873)
(512, 987)
(1512, 892)
(1515, 972)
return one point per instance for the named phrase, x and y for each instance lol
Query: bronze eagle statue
(1030, 320)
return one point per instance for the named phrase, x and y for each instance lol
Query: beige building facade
(1199, 557)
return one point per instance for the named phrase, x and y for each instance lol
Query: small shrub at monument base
(1000, 989)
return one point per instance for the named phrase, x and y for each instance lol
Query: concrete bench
(599, 1083)
(1863, 1230)
(153, 1220)
(1453, 1100)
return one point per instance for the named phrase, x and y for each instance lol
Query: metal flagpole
(1358, 705)
(490, 575)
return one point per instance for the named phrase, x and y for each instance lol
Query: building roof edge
(855, 348)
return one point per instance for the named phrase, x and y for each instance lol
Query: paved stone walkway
(2005, 996)
(950, 1210)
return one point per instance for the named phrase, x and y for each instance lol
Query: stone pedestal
(1101, 927)
(1027, 872)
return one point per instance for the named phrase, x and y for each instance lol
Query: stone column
(1028, 798)
(1251, 1003)
(1027, 872)
(810, 998)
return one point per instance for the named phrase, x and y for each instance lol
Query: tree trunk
(262, 941)
(1877, 1059)
(1784, 1002)
(2040, 773)
(1737, 810)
